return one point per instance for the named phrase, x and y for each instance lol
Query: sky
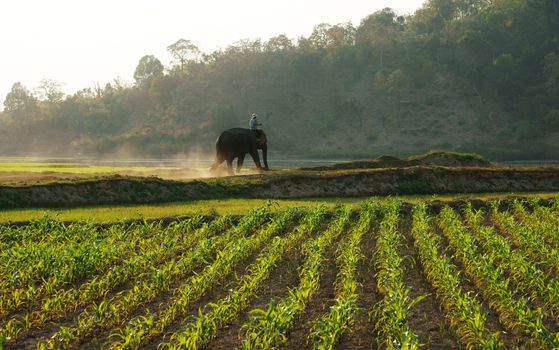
(81, 43)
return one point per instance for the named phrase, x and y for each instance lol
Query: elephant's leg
(230, 166)
(256, 158)
(240, 161)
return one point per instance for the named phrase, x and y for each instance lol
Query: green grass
(120, 212)
(112, 213)
(75, 168)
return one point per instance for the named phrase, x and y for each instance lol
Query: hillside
(468, 76)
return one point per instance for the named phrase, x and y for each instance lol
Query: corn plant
(199, 331)
(544, 221)
(152, 281)
(514, 312)
(123, 250)
(236, 251)
(462, 310)
(526, 237)
(328, 329)
(527, 277)
(391, 313)
(267, 328)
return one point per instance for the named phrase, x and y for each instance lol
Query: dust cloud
(124, 161)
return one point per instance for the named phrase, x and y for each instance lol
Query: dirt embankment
(392, 181)
(415, 180)
(434, 158)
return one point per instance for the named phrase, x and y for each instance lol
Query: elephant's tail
(218, 158)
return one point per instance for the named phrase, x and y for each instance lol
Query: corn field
(385, 275)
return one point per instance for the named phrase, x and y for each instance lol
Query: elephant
(236, 143)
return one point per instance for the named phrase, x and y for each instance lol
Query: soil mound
(437, 158)
(450, 159)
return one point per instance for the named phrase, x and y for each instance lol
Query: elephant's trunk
(265, 156)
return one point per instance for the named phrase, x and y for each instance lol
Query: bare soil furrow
(215, 293)
(361, 335)
(493, 322)
(319, 303)
(38, 334)
(426, 319)
(284, 277)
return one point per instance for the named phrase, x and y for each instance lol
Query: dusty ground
(18, 178)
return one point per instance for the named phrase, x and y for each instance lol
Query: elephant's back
(234, 137)
(236, 131)
(233, 134)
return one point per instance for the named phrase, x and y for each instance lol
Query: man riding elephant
(253, 123)
(237, 142)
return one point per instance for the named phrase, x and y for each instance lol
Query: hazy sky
(83, 42)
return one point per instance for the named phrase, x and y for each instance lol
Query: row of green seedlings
(113, 311)
(57, 303)
(199, 331)
(44, 230)
(267, 328)
(74, 258)
(544, 220)
(515, 313)
(462, 310)
(25, 265)
(143, 329)
(332, 325)
(526, 275)
(61, 302)
(392, 312)
(115, 250)
(525, 236)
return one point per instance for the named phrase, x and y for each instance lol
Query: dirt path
(320, 302)
(426, 319)
(493, 322)
(361, 335)
(283, 277)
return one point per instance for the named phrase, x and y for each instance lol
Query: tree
(446, 9)
(380, 29)
(325, 35)
(319, 36)
(466, 8)
(279, 43)
(244, 46)
(148, 68)
(342, 34)
(375, 28)
(20, 100)
(183, 51)
(49, 90)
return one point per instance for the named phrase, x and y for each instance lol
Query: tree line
(472, 75)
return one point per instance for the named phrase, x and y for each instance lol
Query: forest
(464, 75)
